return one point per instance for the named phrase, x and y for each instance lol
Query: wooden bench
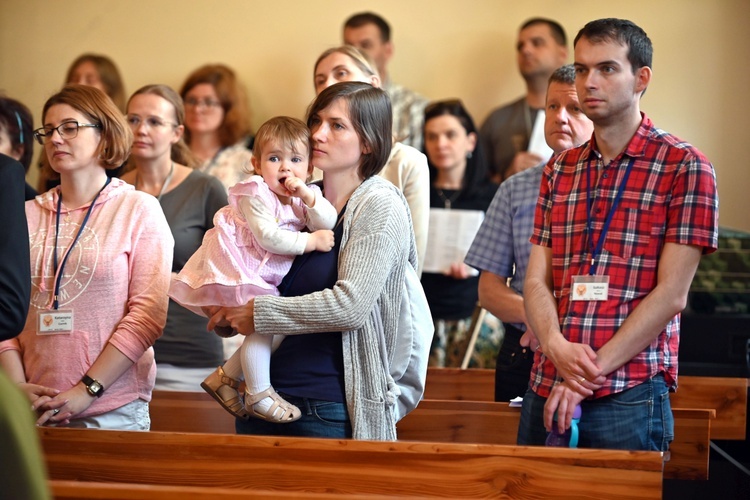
(348, 467)
(79, 490)
(727, 396)
(443, 422)
(497, 423)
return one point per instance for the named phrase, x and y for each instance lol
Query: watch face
(95, 388)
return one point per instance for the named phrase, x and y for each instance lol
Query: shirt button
(605, 175)
(598, 210)
(573, 314)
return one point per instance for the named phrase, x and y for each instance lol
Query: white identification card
(54, 322)
(590, 288)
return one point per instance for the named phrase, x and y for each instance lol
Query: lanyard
(596, 250)
(59, 272)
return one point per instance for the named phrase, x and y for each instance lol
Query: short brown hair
(116, 136)
(371, 116)
(108, 74)
(236, 124)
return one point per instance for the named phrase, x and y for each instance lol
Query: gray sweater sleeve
(376, 226)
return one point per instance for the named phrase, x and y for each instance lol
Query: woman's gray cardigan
(377, 244)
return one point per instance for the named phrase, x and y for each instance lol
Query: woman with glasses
(16, 137)
(98, 71)
(407, 167)
(101, 253)
(458, 181)
(217, 124)
(163, 167)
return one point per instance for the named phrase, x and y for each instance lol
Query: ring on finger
(55, 411)
(583, 379)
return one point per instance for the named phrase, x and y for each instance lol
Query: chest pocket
(630, 231)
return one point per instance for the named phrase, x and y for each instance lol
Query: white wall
(444, 48)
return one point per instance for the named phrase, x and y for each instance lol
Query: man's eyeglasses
(67, 130)
(192, 102)
(135, 121)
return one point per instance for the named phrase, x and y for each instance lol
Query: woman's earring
(468, 155)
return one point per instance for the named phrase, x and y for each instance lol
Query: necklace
(448, 200)
(164, 184)
(67, 213)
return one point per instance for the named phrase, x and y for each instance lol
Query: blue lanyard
(596, 250)
(59, 272)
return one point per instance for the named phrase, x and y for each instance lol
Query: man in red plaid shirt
(620, 226)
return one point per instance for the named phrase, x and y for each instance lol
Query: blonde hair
(360, 59)
(180, 153)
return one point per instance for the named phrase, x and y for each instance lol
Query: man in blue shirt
(501, 247)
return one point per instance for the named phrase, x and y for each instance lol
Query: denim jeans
(639, 418)
(319, 419)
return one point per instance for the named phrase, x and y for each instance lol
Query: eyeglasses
(135, 121)
(192, 102)
(67, 130)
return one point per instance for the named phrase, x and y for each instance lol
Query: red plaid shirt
(670, 196)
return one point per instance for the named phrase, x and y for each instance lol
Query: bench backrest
(348, 467)
(497, 423)
(727, 396)
(78, 490)
(441, 421)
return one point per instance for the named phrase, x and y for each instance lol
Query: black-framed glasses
(67, 130)
(135, 121)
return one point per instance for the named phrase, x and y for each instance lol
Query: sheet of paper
(537, 143)
(449, 237)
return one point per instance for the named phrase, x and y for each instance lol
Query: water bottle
(569, 438)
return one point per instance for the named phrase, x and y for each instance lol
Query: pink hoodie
(115, 281)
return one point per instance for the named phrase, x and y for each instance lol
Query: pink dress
(232, 265)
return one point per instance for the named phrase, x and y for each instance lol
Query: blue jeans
(639, 418)
(319, 419)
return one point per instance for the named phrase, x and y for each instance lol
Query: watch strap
(90, 384)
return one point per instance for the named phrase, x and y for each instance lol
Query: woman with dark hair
(16, 135)
(217, 123)
(163, 167)
(340, 309)
(406, 167)
(100, 259)
(459, 181)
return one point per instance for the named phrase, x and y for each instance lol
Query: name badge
(54, 322)
(590, 288)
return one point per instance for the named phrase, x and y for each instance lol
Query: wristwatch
(94, 387)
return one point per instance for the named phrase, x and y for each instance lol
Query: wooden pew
(497, 423)
(80, 490)
(444, 422)
(174, 411)
(348, 467)
(727, 396)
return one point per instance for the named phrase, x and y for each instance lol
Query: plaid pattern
(408, 114)
(501, 245)
(670, 197)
